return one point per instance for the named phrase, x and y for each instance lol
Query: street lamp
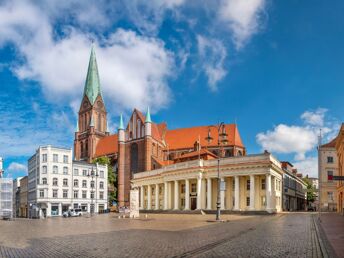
(221, 140)
(92, 175)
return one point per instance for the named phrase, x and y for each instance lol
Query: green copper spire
(92, 85)
(121, 126)
(148, 117)
(92, 121)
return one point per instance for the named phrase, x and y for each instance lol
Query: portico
(252, 183)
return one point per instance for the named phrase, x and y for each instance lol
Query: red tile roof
(202, 152)
(331, 144)
(107, 145)
(185, 138)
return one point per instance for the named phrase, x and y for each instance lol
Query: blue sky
(274, 67)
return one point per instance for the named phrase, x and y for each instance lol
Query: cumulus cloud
(242, 17)
(307, 166)
(17, 167)
(134, 69)
(212, 54)
(297, 139)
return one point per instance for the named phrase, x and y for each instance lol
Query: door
(193, 203)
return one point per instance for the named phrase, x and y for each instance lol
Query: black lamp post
(92, 175)
(221, 140)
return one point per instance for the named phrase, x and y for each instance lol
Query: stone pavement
(332, 225)
(283, 235)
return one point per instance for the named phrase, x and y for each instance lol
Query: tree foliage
(311, 191)
(112, 178)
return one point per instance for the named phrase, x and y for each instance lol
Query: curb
(325, 246)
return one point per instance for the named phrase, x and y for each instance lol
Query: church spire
(92, 84)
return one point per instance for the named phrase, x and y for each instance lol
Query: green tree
(311, 196)
(112, 178)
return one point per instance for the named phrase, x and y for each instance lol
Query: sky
(273, 67)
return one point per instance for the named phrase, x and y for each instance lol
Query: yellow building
(251, 183)
(340, 184)
(328, 164)
(23, 197)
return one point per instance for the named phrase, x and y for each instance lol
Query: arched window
(65, 182)
(55, 181)
(99, 122)
(101, 185)
(76, 182)
(239, 153)
(44, 181)
(134, 158)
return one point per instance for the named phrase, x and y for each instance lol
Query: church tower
(92, 122)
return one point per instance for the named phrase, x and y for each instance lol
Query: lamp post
(92, 175)
(221, 140)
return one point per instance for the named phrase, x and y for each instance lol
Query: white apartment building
(56, 183)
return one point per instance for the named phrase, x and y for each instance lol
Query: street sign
(331, 177)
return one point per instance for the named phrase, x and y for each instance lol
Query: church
(141, 145)
(144, 151)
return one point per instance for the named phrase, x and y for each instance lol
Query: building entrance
(193, 203)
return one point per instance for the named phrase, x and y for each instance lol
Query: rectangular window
(41, 193)
(84, 172)
(65, 159)
(193, 187)
(84, 194)
(65, 193)
(183, 188)
(76, 182)
(248, 184)
(44, 158)
(101, 174)
(76, 172)
(55, 158)
(263, 184)
(76, 193)
(247, 201)
(92, 184)
(329, 159)
(101, 195)
(65, 182)
(55, 169)
(101, 185)
(65, 170)
(330, 196)
(92, 195)
(54, 193)
(84, 183)
(329, 175)
(44, 170)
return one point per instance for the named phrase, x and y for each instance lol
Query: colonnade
(197, 193)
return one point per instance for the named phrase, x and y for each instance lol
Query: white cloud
(296, 139)
(242, 18)
(315, 118)
(134, 69)
(307, 166)
(17, 167)
(212, 53)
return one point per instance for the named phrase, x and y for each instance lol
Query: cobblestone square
(163, 235)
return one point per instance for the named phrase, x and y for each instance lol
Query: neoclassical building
(252, 183)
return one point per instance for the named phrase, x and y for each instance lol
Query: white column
(252, 193)
(236, 194)
(142, 197)
(60, 209)
(149, 197)
(165, 196)
(222, 196)
(199, 192)
(187, 194)
(156, 196)
(204, 195)
(268, 192)
(209, 202)
(176, 195)
(169, 200)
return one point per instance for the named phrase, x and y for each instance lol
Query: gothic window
(86, 148)
(239, 153)
(99, 122)
(134, 158)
